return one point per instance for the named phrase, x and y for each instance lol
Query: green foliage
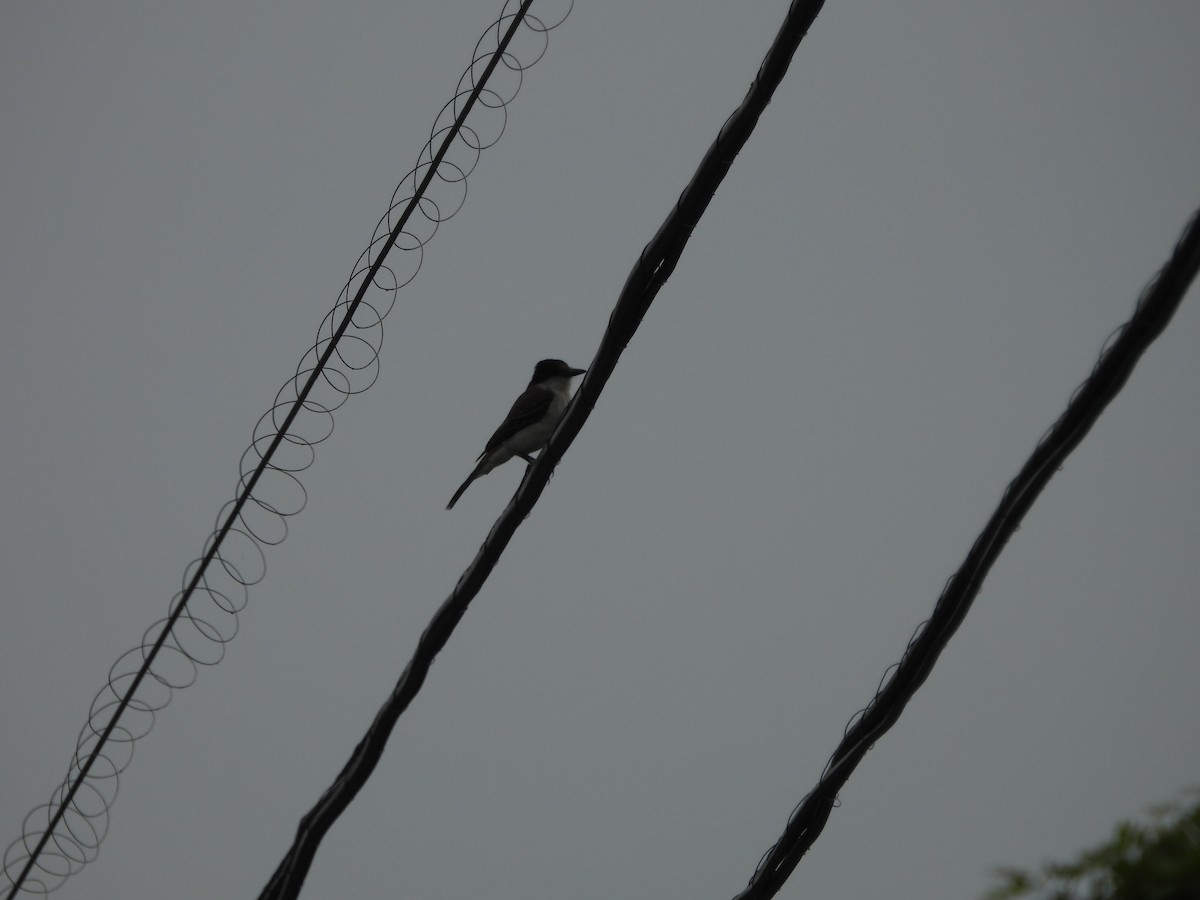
(1159, 860)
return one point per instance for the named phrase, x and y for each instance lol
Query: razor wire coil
(61, 836)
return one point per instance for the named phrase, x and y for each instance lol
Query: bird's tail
(482, 469)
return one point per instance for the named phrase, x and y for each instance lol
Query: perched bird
(530, 422)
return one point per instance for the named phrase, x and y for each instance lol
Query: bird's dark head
(553, 368)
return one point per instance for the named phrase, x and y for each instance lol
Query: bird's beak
(574, 372)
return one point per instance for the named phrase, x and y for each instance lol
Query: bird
(529, 423)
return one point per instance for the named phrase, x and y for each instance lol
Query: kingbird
(530, 422)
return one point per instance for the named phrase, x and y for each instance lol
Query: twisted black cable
(342, 361)
(1153, 311)
(655, 264)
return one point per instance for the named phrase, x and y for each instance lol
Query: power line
(653, 267)
(1153, 311)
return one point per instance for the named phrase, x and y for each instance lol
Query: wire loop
(61, 836)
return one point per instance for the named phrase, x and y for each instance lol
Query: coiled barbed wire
(1119, 354)
(62, 835)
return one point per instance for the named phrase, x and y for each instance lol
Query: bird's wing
(529, 409)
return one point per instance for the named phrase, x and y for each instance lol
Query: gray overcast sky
(944, 213)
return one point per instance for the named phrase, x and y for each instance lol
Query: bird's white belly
(535, 437)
